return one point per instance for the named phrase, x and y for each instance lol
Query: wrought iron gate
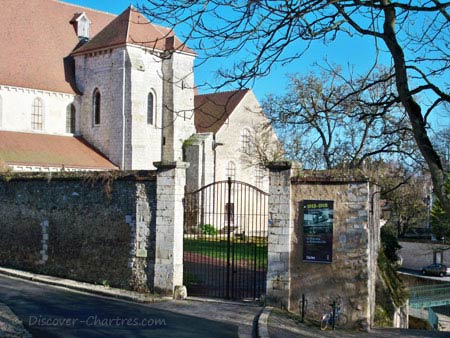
(225, 241)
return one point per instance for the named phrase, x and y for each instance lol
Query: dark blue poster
(317, 231)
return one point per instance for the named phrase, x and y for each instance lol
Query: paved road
(48, 312)
(418, 273)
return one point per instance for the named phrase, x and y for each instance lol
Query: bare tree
(440, 221)
(405, 193)
(327, 121)
(260, 33)
(263, 147)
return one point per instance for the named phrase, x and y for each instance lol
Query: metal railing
(429, 296)
(433, 319)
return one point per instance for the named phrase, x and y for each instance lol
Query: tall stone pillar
(280, 235)
(171, 180)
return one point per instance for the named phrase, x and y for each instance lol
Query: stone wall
(178, 104)
(93, 227)
(199, 153)
(145, 78)
(280, 231)
(247, 115)
(416, 255)
(349, 275)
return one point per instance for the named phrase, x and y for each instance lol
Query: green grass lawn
(243, 251)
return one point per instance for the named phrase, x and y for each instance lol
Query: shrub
(208, 229)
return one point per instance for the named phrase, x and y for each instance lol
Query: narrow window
(70, 119)
(151, 119)
(246, 141)
(36, 114)
(96, 106)
(231, 170)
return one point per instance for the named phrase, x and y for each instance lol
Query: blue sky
(340, 52)
(274, 82)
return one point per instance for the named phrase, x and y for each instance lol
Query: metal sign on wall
(317, 230)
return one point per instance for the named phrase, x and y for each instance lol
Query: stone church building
(82, 89)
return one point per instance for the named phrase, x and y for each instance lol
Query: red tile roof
(212, 110)
(35, 38)
(133, 28)
(29, 149)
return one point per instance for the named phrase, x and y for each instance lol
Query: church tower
(137, 87)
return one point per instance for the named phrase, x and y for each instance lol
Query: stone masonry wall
(145, 78)
(96, 227)
(199, 153)
(348, 276)
(416, 255)
(247, 115)
(178, 104)
(280, 232)
(106, 71)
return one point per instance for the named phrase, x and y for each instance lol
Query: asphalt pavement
(284, 325)
(54, 311)
(49, 311)
(418, 273)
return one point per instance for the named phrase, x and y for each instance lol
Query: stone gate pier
(323, 242)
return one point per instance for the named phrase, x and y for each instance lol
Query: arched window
(96, 106)
(231, 170)
(246, 141)
(70, 119)
(37, 111)
(151, 118)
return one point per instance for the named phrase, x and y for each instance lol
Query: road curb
(263, 322)
(85, 287)
(220, 301)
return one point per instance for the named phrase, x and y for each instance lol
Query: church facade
(86, 90)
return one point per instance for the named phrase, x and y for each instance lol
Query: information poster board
(317, 231)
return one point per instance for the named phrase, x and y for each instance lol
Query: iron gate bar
(228, 235)
(229, 215)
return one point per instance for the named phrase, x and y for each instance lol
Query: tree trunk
(412, 108)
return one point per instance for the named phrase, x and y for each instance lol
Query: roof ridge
(226, 92)
(127, 33)
(63, 2)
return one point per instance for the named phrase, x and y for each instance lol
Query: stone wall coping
(171, 165)
(117, 175)
(279, 165)
(326, 180)
(329, 177)
(435, 244)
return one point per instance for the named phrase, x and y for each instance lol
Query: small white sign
(141, 253)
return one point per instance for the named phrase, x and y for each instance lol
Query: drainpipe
(215, 145)
(123, 110)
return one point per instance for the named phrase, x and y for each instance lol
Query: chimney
(170, 43)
